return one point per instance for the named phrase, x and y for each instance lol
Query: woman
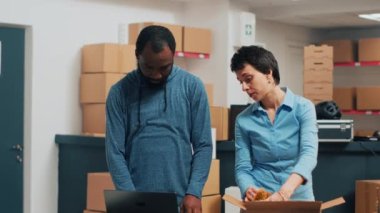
(276, 137)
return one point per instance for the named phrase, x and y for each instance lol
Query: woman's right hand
(250, 194)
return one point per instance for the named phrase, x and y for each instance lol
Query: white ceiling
(315, 13)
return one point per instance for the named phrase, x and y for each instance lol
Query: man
(158, 136)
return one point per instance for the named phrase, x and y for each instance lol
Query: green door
(12, 42)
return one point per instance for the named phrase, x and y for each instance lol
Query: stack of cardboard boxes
(105, 64)
(357, 98)
(318, 73)
(219, 116)
(98, 182)
(102, 66)
(192, 40)
(188, 39)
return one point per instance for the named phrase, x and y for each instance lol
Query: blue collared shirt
(266, 153)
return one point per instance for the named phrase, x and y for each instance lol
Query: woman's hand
(250, 194)
(277, 196)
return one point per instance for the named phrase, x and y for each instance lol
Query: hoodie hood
(143, 83)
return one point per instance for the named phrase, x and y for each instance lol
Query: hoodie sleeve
(115, 141)
(200, 139)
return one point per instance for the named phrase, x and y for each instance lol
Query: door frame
(28, 74)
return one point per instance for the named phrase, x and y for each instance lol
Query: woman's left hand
(275, 197)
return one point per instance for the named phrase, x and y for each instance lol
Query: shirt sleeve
(200, 139)
(243, 160)
(308, 141)
(115, 142)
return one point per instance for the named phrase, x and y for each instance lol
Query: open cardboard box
(283, 206)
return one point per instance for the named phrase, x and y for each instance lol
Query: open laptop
(140, 202)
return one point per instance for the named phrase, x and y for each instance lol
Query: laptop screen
(140, 202)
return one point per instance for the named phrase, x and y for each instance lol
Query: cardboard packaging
(100, 58)
(344, 97)
(318, 89)
(212, 184)
(176, 30)
(283, 206)
(94, 88)
(319, 76)
(318, 64)
(233, 191)
(210, 93)
(343, 50)
(367, 193)
(128, 60)
(318, 52)
(318, 98)
(108, 58)
(369, 49)
(197, 40)
(89, 211)
(219, 120)
(364, 132)
(367, 98)
(211, 204)
(94, 118)
(96, 184)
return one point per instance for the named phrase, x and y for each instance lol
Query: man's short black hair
(259, 58)
(157, 36)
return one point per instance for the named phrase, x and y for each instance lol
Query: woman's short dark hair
(259, 58)
(157, 36)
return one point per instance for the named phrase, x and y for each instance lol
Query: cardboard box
(344, 98)
(210, 93)
(366, 195)
(318, 52)
(343, 50)
(94, 87)
(128, 61)
(96, 184)
(212, 184)
(367, 98)
(318, 64)
(369, 49)
(211, 204)
(320, 76)
(318, 98)
(318, 89)
(364, 132)
(197, 40)
(94, 118)
(108, 58)
(283, 206)
(90, 211)
(219, 120)
(100, 58)
(176, 30)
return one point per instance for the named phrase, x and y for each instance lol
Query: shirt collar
(288, 100)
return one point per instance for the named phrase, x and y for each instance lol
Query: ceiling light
(372, 16)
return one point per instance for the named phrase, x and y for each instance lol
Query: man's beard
(154, 83)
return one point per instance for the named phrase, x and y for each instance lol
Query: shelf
(357, 64)
(192, 55)
(361, 112)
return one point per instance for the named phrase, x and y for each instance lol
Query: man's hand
(191, 204)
